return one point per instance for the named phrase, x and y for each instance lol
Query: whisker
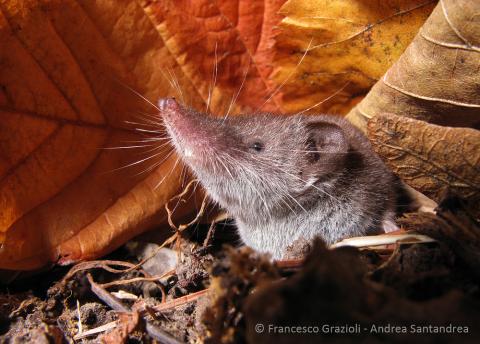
(288, 77)
(141, 96)
(156, 164)
(214, 77)
(149, 131)
(145, 124)
(123, 84)
(148, 119)
(183, 175)
(324, 100)
(177, 85)
(127, 147)
(168, 174)
(135, 163)
(149, 139)
(235, 97)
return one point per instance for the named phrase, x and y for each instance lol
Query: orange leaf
(348, 45)
(225, 44)
(437, 78)
(67, 71)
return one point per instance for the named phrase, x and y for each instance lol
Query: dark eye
(257, 146)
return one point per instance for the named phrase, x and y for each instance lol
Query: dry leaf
(64, 71)
(350, 46)
(226, 44)
(437, 77)
(127, 323)
(428, 157)
(62, 103)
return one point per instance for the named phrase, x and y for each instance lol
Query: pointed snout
(166, 104)
(183, 124)
(193, 133)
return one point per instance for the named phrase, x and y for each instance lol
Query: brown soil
(346, 295)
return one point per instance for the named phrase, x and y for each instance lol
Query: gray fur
(316, 175)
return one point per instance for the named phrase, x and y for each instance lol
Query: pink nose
(167, 104)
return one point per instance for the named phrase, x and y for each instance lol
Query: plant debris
(429, 157)
(406, 283)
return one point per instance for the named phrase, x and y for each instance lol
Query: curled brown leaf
(344, 47)
(437, 78)
(72, 78)
(428, 157)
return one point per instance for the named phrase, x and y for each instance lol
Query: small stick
(106, 297)
(79, 315)
(157, 334)
(136, 279)
(182, 227)
(123, 295)
(113, 303)
(139, 279)
(211, 233)
(180, 301)
(96, 330)
(383, 239)
(199, 215)
(170, 212)
(97, 264)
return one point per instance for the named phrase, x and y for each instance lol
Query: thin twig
(142, 279)
(137, 279)
(182, 227)
(156, 333)
(180, 301)
(210, 234)
(106, 297)
(179, 196)
(79, 315)
(123, 295)
(116, 305)
(96, 330)
(383, 239)
(97, 264)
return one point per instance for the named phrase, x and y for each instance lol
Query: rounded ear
(327, 137)
(328, 148)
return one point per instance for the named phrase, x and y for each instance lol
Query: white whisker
(324, 100)
(287, 79)
(235, 97)
(214, 79)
